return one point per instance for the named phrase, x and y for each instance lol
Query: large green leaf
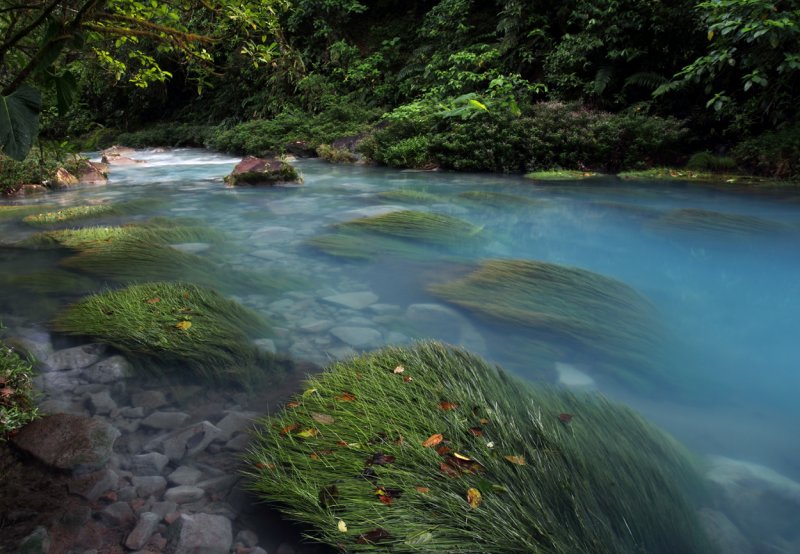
(66, 89)
(19, 121)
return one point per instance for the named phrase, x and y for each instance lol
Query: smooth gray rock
(109, 370)
(219, 485)
(185, 475)
(188, 441)
(191, 247)
(444, 323)
(235, 422)
(316, 326)
(70, 442)
(352, 300)
(118, 514)
(163, 508)
(199, 534)
(78, 357)
(132, 413)
(101, 403)
(238, 443)
(94, 485)
(145, 527)
(149, 400)
(66, 405)
(32, 342)
(247, 538)
(358, 337)
(149, 485)
(165, 420)
(152, 463)
(58, 382)
(183, 494)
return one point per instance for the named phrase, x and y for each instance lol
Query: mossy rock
(174, 327)
(594, 312)
(430, 449)
(718, 223)
(17, 401)
(257, 171)
(561, 175)
(412, 225)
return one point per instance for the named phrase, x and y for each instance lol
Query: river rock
(191, 247)
(149, 485)
(352, 300)
(723, 534)
(234, 422)
(265, 345)
(78, 357)
(760, 501)
(92, 173)
(262, 171)
(38, 542)
(183, 494)
(199, 534)
(32, 342)
(94, 485)
(572, 377)
(145, 527)
(69, 442)
(118, 514)
(438, 321)
(152, 463)
(63, 179)
(58, 382)
(149, 399)
(101, 403)
(110, 370)
(271, 233)
(358, 337)
(185, 475)
(165, 420)
(188, 441)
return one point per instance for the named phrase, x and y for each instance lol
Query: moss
(69, 214)
(347, 457)
(174, 327)
(410, 196)
(419, 226)
(336, 155)
(277, 172)
(17, 395)
(706, 221)
(560, 175)
(594, 312)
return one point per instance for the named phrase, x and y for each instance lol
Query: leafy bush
(16, 392)
(706, 161)
(773, 154)
(167, 134)
(336, 155)
(38, 167)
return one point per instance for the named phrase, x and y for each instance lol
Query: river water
(727, 296)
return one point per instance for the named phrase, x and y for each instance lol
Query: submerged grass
(510, 468)
(599, 313)
(54, 281)
(499, 199)
(561, 175)
(177, 326)
(411, 196)
(426, 227)
(20, 211)
(692, 219)
(69, 214)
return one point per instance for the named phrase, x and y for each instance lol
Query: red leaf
(448, 470)
(476, 431)
(447, 406)
(380, 459)
(346, 397)
(443, 450)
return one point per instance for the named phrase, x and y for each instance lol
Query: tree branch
(27, 30)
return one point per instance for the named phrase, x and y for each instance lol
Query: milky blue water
(729, 300)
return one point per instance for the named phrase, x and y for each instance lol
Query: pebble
(183, 494)
(185, 475)
(352, 300)
(165, 420)
(145, 527)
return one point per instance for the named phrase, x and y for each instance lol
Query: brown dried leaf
(442, 450)
(346, 397)
(423, 490)
(518, 460)
(153, 300)
(293, 404)
(484, 421)
(447, 406)
(324, 419)
(565, 418)
(433, 440)
(289, 428)
(376, 535)
(380, 459)
(407, 378)
(448, 470)
(476, 431)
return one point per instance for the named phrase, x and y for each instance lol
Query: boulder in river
(261, 171)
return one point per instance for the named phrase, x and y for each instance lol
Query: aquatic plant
(155, 231)
(669, 174)
(20, 210)
(414, 225)
(410, 196)
(54, 281)
(69, 214)
(596, 312)
(133, 260)
(430, 449)
(17, 395)
(498, 199)
(560, 175)
(174, 326)
(693, 219)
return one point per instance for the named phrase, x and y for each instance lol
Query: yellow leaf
(399, 369)
(461, 457)
(342, 526)
(474, 498)
(519, 460)
(308, 433)
(183, 325)
(478, 105)
(710, 35)
(324, 419)
(309, 392)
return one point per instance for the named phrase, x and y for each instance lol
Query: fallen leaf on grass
(447, 406)
(447, 469)
(476, 431)
(262, 465)
(320, 453)
(292, 404)
(423, 490)
(309, 392)
(346, 397)
(518, 460)
(407, 378)
(289, 428)
(484, 421)
(153, 300)
(373, 536)
(399, 369)
(308, 433)
(474, 498)
(6, 392)
(380, 459)
(324, 419)
(443, 449)
(342, 526)
(183, 325)
(387, 495)
(433, 440)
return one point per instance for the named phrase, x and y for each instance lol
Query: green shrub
(17, 405)
(706, 161)
(166, 134)
(336, 155)
(35, 169)
(430, 449)
(772, 154)
(174, 327)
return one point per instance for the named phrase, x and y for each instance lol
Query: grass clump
(69, 214)
(336, 155)
(669, 174)
(597, 313)
(176, 326)
(560, 175)
(430, 449)
(419, 226)
(18, 211)
(17, 395)
(707, 221)
(706, 161)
